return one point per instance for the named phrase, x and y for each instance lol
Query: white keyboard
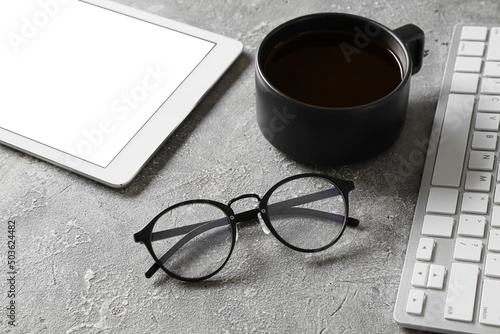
(450, 281)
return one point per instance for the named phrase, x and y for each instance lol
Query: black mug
(333, 88)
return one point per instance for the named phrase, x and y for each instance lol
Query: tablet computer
(97, 87)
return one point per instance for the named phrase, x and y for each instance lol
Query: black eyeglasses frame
(145, 236)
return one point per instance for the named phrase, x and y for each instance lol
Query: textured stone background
(81, 272)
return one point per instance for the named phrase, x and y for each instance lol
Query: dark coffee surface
(328, 69)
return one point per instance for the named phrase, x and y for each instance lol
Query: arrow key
(425, 249)
(420, 275)
(415, 304)
(436, 277)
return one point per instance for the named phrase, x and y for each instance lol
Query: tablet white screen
(84, 79)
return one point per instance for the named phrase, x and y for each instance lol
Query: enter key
(490, 307)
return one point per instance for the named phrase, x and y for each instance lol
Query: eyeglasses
(193, 240)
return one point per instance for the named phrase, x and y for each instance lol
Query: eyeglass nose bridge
(243, 197)
(251, 214)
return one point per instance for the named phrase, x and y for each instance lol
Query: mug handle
(414, 39)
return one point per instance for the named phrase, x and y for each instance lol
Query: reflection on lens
(193, 240)
(308, 213)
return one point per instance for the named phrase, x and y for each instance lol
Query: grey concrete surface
(79, 270)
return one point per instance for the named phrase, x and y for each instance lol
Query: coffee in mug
(323, 68)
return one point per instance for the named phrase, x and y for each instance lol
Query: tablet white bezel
(125, 166)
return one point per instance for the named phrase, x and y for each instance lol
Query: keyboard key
(438, 226)
(468, 250)
(436, 277)
(468, 64)
(491, 69)
(487, 122)
(496, 198)
(452, 144)
(425, 249)
(415, 304)
(494, 45)
(495, 216)
(490, 86)
(489, 103)
(471, 226)
(494, 241)
(492, 267)
(480, 160)
(461, 296)
(490, 307)
(475, 203)
(466, 83)
(420, 275)
(471, 49)
(474, 33)
(478, 181)
(484, 141)
(442, 200)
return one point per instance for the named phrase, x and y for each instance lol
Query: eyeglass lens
(201, 247)
(308, 213)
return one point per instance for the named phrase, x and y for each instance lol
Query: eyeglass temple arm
(199, 229)
(320, 214)
(287, 205)
(190, 232)
(290, 203)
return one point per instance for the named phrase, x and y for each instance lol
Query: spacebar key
(453, 141)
